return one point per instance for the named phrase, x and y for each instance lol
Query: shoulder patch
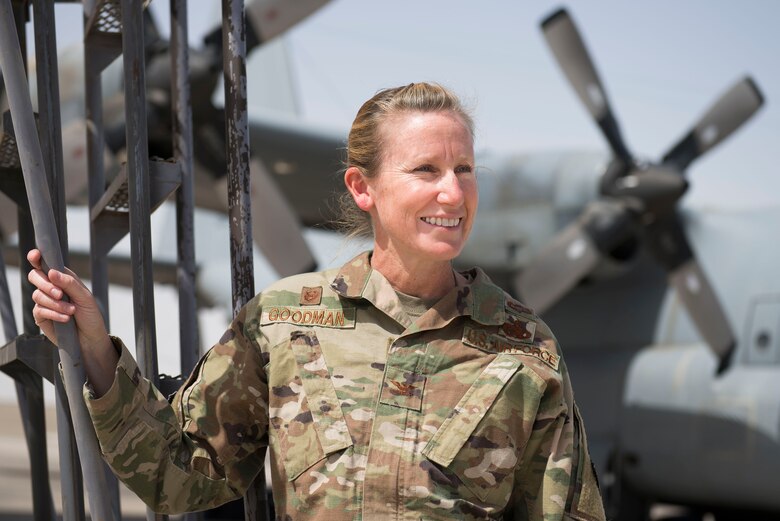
(338, 318)
(311, 296)
(497, 343)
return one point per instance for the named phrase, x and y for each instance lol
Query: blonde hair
(365, 144)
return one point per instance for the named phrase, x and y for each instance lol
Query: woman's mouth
(438, 221)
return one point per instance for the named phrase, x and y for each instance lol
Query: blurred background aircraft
(663, 65)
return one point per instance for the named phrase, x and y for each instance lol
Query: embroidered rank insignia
(518, 329)
(497, 343)
(311, 296)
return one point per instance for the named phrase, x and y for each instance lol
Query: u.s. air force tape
(497, 343)
(340, 318)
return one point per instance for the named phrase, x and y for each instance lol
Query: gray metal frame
(239, 201)
(47, 238)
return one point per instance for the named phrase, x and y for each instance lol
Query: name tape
(334, 318)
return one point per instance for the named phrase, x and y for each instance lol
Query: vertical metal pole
(26, 232)
(49, 111)
(185, 207)
(138, 185)
(31, 159)
(51, 147)
(30, 397)
(237, 134)
(181, 108)
(138, 191)
(6, 306)
(189, 336)
(72, 478)
(98, 263)
(26, 243)
(71, 484)
(93, 93)
(239, 207)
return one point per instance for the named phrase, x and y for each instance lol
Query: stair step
(28, 353)
(111, 214)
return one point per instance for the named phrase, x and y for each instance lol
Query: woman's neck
(419, 278)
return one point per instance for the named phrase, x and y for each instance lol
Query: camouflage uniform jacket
(466, 413)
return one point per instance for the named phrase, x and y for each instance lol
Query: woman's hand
(97, 351)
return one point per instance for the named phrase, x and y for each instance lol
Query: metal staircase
(113, 30)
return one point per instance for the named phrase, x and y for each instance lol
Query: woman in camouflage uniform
(391, 388)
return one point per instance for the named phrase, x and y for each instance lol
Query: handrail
(47, 239)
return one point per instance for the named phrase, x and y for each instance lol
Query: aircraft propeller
(638, 203)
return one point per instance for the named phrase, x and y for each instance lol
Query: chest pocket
(307, 416)
(481, 440)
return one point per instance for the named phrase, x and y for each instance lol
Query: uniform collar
(474, 295)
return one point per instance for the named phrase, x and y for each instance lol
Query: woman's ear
(358, 187)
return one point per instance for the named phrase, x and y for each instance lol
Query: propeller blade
(569, 49)
(731, 110)
(267, 19)
(275, 227)
(670, 246)
(607, 229)
(699, 298)
(561, 264)
(270, 18)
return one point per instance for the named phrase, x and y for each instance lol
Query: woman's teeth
(438, 221)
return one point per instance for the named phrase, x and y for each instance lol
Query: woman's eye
(424, 168)
(464, 169)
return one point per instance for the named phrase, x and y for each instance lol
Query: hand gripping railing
(47, 239)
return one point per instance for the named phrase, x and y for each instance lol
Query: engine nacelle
(689, 433)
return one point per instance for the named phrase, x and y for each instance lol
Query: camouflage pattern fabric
(464, 413)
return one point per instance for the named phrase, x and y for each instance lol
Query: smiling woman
(422, 200)
(392, 388)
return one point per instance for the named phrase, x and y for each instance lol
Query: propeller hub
(614, 228)
(654, 188)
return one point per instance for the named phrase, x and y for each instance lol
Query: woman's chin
(441, 251)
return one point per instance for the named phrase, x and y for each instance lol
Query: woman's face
(424, 196)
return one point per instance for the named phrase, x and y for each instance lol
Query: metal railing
(113, 29)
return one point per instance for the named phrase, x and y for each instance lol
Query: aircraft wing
(307, 165)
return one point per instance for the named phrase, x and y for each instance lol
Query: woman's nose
(450, 190)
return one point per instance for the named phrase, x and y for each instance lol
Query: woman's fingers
(41, 314)
(34, 258)
(41, 281)
(55, 283)
(58, 306)
(71, 284)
